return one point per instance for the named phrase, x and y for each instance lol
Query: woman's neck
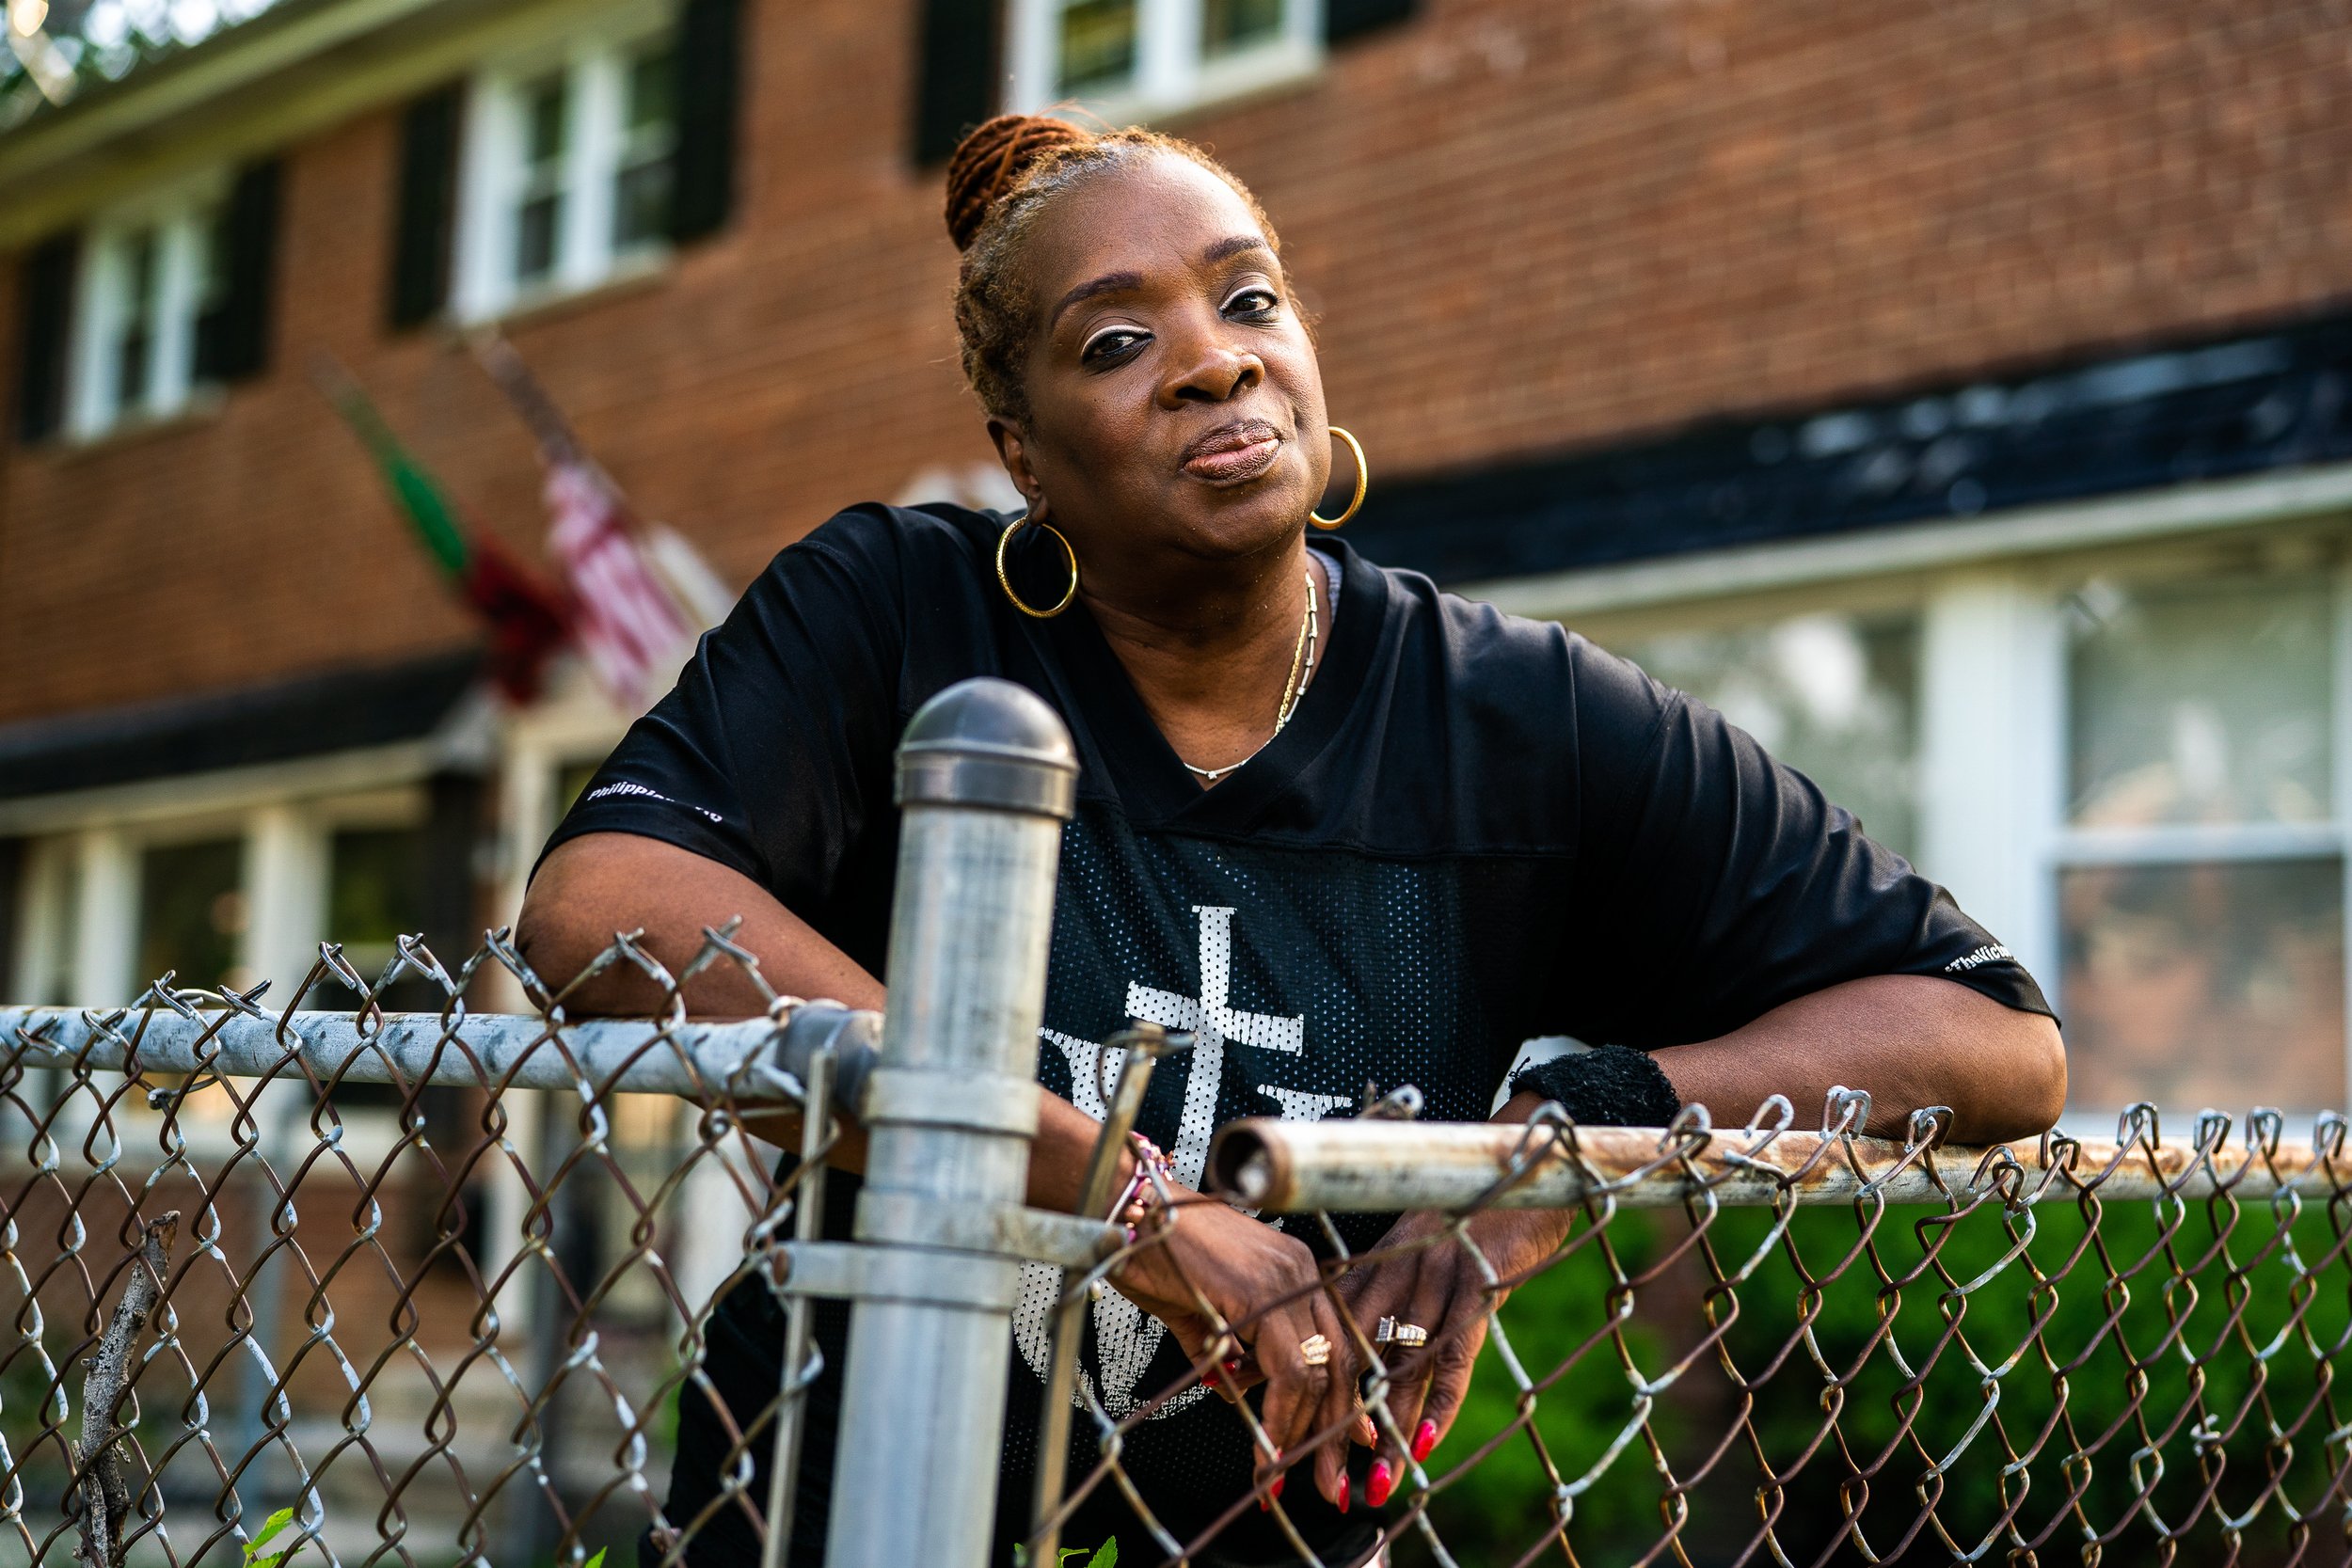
(1213, 658)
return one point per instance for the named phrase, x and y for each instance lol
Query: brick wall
(1528, 224)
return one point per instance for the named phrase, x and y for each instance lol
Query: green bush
(2230, 1348)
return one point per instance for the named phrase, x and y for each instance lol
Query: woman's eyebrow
(1234, 245)
(1110, 282)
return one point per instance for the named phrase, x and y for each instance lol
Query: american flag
(630, 627)
(642, 592)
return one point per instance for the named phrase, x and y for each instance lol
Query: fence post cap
(990, 743)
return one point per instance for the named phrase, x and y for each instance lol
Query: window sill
(203, 405)
(552, 302)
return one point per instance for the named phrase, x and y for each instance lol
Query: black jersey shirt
(1475, 830)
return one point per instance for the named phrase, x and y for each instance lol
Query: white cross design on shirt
(1125, 1338)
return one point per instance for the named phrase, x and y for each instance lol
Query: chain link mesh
(1761, 1346)
(442, 1317)
(449, 1317)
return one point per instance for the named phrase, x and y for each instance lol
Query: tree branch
(105, 1497)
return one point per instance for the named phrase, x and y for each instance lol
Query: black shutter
(232, 333)
(1344, 19)
(425, 208)
(955, 76)
(45, 330)
(708, 73)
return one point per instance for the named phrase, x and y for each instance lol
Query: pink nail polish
(1376, 1488)
(1343, 1494)
(1425, 1439)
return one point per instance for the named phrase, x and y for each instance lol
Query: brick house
(1953, 393)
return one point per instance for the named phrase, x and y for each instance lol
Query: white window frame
(492, 172)
(2065, 846)
(1993, 670)
(182, 216)
(1171, 72)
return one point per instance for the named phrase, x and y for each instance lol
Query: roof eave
(315, 61)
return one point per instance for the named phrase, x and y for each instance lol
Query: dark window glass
(652, 90)
(539, 214)
(376, 895)
(546, 118)
(1227, 25)
(646, 174)
(212, 282)
(535, 228)
(192, 911)
(1098, 44)
(132, 348)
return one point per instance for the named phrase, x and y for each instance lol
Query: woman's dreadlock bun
(991, 160)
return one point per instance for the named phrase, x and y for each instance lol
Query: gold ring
(1390, 1332)
(1315, 1349)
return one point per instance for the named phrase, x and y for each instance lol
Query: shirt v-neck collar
(1143, 770)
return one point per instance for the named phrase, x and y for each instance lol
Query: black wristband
(1614, 1085)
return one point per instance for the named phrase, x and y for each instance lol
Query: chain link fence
(439, 1283)
(437, 1286)
(435, 1282)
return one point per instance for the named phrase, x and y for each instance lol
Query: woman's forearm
(1910, 1039)
(600, 883)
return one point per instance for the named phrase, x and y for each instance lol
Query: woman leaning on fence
(1355, 829)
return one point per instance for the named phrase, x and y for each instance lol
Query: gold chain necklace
(1294, 686)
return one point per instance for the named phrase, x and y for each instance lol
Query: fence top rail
(1373, 1165)
(1367, 1165)
(752, 1059)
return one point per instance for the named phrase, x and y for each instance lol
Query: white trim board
(2176, 510)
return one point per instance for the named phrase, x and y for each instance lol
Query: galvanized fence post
(987, 776)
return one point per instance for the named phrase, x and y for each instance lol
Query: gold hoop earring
(1363, 482)
(1005, 538)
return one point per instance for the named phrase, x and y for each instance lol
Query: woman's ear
(1013, 453)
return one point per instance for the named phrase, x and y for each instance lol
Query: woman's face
(1174, 398)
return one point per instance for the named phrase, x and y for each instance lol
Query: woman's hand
(1266, 1285)
(1439, 1286)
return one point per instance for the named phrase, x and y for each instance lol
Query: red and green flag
(525, 619)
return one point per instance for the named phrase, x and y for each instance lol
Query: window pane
(2204, 702)
(652, 91)
(375, 894)
(1098, 44)
(139, 268)
(1834, 696)
(546, 116)
(536, 226)
(641, 203)
(641, 184)
(191, 912)
(2208, 985)
(539, 214)
(1230, 25)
